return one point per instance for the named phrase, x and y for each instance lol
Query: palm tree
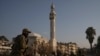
(90, 32)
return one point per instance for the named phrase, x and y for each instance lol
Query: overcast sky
(73, 17)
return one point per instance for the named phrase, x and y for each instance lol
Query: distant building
(35, 38)
(72, 47)
(68, 47)
(3, 40)
(4, 45)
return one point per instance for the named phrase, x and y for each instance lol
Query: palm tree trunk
(91, 47)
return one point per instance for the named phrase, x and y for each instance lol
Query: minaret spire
(52, 5)
(52, 18)
(52, 12)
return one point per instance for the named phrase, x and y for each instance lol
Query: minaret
(53, 42)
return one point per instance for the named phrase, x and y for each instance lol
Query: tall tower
(52, 18)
